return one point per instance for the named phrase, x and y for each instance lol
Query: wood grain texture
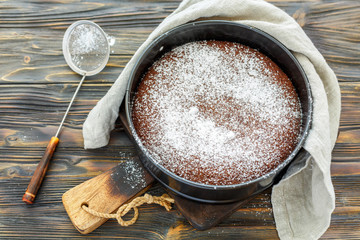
(36, 86)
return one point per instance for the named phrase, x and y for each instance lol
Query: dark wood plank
(36, 85)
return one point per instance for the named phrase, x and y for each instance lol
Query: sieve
(86, 50)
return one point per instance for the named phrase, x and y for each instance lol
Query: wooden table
(36, 86)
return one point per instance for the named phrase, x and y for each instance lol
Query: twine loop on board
(164, 200)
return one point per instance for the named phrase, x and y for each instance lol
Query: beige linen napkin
(304, 200)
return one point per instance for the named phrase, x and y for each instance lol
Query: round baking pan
(223, 31)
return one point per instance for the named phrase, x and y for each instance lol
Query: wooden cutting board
(105, 193)
(108, 191)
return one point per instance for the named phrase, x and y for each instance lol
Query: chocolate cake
(217, 113)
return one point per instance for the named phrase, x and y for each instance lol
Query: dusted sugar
(88, 47)
(217, 113)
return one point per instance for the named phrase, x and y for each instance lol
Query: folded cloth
(304, 200)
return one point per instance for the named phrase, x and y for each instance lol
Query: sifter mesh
(86, 48)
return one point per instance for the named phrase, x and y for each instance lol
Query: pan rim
(281, 166)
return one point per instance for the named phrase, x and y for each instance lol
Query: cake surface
(217, 113)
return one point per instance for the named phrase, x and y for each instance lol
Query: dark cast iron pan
(223, 31)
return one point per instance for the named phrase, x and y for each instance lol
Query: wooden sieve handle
(40, 171)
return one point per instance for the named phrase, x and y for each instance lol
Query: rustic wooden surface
(36, 86)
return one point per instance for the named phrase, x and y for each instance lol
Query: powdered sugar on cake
(218, 113)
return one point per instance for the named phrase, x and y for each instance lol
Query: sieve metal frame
(66, 52)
